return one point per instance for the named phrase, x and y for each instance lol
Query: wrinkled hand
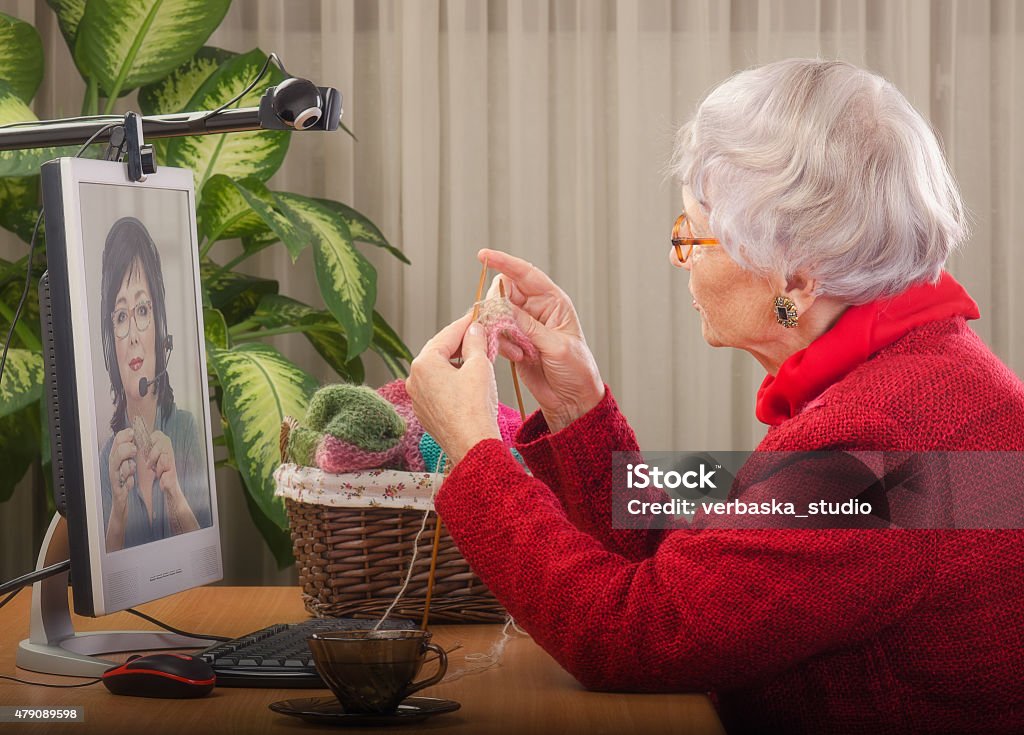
(161, 460)
(458, 406)
(121, 465)
(565, 381)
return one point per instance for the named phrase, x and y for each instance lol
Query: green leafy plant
(157, 48)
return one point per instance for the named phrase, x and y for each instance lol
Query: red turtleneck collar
(859, 333)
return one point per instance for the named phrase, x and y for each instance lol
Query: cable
(35, 576)
(11, 596)
(172, 629)
(97, 134)
(38, 683)
(52, 686)
(253, 83)
(84, 118)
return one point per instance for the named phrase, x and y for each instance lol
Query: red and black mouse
(165, 675)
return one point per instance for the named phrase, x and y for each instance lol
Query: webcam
(298, 104)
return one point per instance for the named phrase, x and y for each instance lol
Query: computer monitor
(125, 363)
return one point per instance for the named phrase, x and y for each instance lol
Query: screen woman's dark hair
(129, 245)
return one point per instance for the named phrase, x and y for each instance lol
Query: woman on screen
(153, 476)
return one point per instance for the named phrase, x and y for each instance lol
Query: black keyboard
(278, 656)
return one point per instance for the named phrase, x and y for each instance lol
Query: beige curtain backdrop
(543, 128)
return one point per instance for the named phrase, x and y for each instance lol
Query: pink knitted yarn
(334, 455)
(498, 320)
(396, 394)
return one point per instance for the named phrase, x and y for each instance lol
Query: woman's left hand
(458, 406)
(161, 460)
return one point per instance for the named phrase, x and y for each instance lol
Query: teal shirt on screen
(189, 461)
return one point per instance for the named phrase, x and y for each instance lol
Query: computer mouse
(165, 675)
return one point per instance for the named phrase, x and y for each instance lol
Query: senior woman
(818, 214)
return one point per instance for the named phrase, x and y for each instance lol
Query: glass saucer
(328, 711)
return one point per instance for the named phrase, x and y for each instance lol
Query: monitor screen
(131, 382)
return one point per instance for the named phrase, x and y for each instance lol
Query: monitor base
(53, 646)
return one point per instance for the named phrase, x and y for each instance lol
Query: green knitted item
(347, 427)
(302, 445)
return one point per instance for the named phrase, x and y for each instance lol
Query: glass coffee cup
(374, 670)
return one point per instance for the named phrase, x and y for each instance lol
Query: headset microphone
(144, 383)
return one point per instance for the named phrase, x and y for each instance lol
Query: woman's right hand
(565, 380)
(121, 465)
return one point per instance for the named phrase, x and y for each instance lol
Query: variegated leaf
(390, 347)
(173, 93)
(235, 294)
(319, 327)
(21, 56)
(124, 44)
(328, 339)
(238, 155)
(255, 243)
(223, 212)
(293, 233)
(361, 228)
(69, 15)
(23, 380)
(276, 311)
(260, 387)
(26, 332)
(347, 281)
(19, 205)
(25, 162)
(215, 329)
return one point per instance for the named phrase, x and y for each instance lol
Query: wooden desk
(528, 693)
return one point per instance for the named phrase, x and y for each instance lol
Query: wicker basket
(353, 535)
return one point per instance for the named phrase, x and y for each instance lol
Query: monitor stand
(54, 647)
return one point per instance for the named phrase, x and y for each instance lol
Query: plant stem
(91, 101)
(241, 257)
(291, 329)
(21, 329)
(243, 326)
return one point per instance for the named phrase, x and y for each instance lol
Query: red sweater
(889, 631)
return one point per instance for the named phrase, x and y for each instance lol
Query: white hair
(822, 168)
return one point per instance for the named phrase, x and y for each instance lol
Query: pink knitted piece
(334, 455)
(509, 422)
(396, 394)
(498, 320)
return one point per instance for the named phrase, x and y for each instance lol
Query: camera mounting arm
(273, 114)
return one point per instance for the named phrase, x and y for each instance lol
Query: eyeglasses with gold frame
(684, 244)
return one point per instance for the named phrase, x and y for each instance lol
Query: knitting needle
(437, 525)
(515, 373)
(480, 291)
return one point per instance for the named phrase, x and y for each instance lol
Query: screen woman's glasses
(142, 314)
(683, 243)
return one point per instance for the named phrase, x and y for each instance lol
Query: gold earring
(785, 312)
